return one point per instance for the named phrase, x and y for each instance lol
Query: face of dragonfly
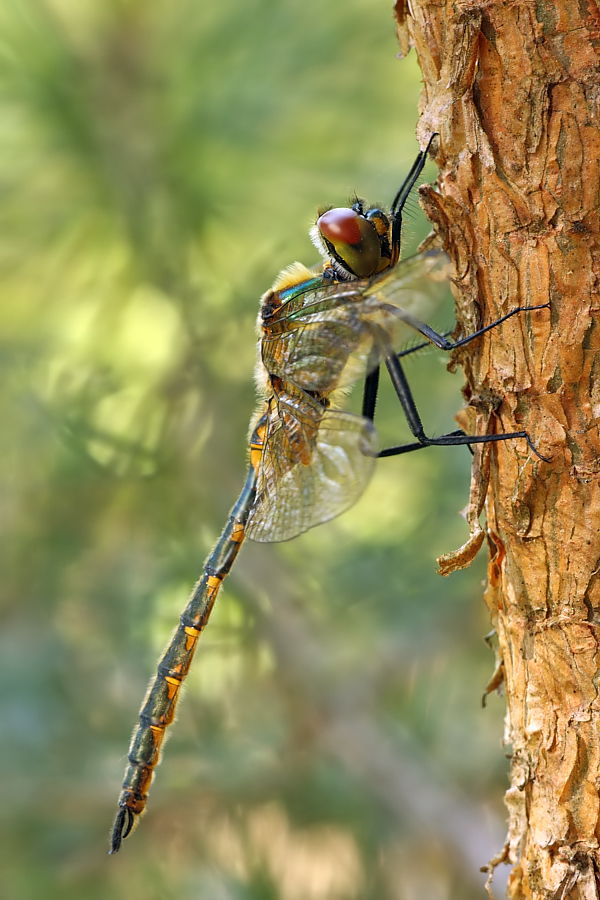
(355, 242)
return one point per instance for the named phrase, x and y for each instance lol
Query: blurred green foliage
(159, 163)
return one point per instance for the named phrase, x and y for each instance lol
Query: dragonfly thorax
(353, 241)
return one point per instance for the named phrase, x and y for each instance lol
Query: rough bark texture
(513, 90)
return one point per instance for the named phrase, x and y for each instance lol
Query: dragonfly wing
(332, 353)
(393, 304)
(319, 340)
(315, 464)
(312, 339)
(416, 285)
(324, 339)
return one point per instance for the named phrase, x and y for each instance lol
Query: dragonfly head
(353, 240)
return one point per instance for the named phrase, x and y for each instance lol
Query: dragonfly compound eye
(352, 240)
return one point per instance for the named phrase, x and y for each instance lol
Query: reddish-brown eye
(340, 225)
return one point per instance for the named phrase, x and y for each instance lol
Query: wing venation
(315, 465)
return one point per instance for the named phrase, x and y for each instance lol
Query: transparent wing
(324, 339)
(311, 339)
(416, 285)
(316, 463)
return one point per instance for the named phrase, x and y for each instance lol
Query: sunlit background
(160, 161)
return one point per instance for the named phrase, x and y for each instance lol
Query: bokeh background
(159, 163)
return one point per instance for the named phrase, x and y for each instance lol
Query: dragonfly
(320, 331)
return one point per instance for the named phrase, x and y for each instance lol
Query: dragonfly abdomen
(158, 708)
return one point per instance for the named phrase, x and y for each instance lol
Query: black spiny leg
(370, 393)
(440, 340)
(371, 386)
(404, 393)
(372, 379)
(401, 198)
(453, 438)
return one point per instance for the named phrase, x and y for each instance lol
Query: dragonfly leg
(372, 380)
(371, 386)
(418, 347)
(458, 438)
(401, 198)
(453, 438)
(441, 340)
(476, 334)
(370, 391)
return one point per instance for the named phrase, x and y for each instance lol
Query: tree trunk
(513, 91)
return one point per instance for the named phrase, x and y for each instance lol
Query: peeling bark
(513, 90)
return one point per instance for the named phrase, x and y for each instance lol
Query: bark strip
(513, 90)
